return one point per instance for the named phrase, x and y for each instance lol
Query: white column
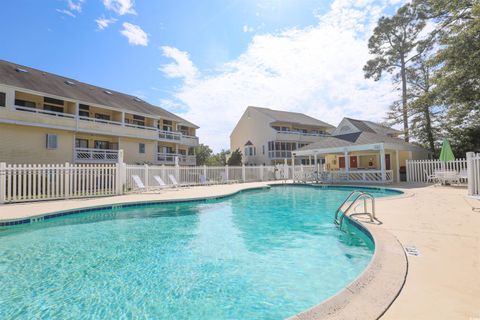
(397, 160)
(470, 173)
(10, 98)
(347, 162)
(3, 181)
(382, 163)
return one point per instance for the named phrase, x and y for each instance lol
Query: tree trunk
(428, 127)
(404, 99)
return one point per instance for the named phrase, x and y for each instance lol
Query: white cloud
(121, 7)
(103, 22)
(134, 34)
(66, 12)
(75, 6)
(183, 67)
(315, 70)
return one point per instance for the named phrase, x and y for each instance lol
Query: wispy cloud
(135, 35)
(182, 67)
(121, 7)
(316, 70)
(72, 7)
(66, 12)
(103, 22)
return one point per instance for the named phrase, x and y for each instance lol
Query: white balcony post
(470, 173)
(3, 181)
(382, 164)
(67, 180)
(123, 119)
(10, 98)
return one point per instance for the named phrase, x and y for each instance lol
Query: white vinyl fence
(20, 183)
(191, 175)
(473, 173)
(418, 170)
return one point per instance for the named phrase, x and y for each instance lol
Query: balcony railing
(84, 155)
(169, 135)
(103, 121)
(169, 158)
(279, 154)
(304, 133)
(50, 113)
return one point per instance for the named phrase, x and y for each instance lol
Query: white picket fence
(473, 172)
(191, 175)
(20, 183)
(418, 170)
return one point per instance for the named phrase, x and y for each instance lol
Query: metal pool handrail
(359, 195)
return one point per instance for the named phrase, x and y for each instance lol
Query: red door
(341, 162)
(387, 162)
(353, 162)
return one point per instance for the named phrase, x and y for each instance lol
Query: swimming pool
(260, 254)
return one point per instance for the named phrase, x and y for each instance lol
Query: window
(183, 130)
(102, 144)
(24, 103)
(250, 151)
(102, 116)
(2, 99)
(182, 152)
(138, 120)
(52, 108)
(167, 125)
(52, 141)
(81, 143)
(52, 100)
(83, 110)
(141, 148)
(165, 150)
(263, 149)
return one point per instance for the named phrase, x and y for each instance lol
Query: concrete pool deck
(443, 282)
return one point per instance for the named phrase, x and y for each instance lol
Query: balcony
(169, 159)
(169, 136)
(84, 155)
(299, 136)
(280, 154)
(190, 141)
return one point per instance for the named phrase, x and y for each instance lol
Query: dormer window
(21, 70)
(108, 92)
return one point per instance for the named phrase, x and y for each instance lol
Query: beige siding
(131, 150)
(24, 144)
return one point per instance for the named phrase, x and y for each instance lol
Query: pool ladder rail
(354, 197)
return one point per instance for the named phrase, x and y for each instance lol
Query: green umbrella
(446, 154)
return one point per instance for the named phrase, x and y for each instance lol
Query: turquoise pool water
(263, 254)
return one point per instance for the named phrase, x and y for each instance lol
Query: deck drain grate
(412, 251)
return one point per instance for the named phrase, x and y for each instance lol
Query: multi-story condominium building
(266, 136)
(47, 118)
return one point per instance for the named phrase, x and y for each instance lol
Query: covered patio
(365, 163)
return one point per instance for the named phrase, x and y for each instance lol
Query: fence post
(67, 180)
(243, 172)
(261, 172)
(145, 175)
(205, 171)
(120, 173)
(3, 181)
(226, 172)
(177, 169)
(470, 173)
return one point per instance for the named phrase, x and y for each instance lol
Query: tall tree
(394, 43)
(235, 158)
(203, 152)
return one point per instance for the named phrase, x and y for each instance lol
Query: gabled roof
(369, 126)
(249, 143)
(358, 138)
(292, 117)
(36, 80)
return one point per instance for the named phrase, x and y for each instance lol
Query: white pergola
(378, 147)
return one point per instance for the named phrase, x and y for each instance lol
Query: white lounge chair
(450, 177)
(160, 182)
(431, 177)
(175, 182)
(139, 186)
(463, 175)
(205, 181)
(225, 180)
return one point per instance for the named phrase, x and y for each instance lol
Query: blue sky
(208, 59)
